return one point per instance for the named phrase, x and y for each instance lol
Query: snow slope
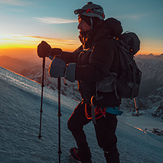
(19, 128)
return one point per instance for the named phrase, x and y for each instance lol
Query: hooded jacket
(95, 60)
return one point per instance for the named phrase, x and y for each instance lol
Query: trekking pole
(59, 116)
(42, 85)
(136, 106)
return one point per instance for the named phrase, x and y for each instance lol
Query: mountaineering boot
(75, 155)
(112, 156)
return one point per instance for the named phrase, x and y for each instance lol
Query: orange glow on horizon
(16, 41)
(9, 42)
(18, 44)
(13, 50)
(17, 51)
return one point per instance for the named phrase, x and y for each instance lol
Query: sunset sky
(24, 23)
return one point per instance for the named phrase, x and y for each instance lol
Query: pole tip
(39, 136)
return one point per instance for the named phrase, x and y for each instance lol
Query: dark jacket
(96, 59)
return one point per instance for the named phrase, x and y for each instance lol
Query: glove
(55, 52)
(70, 72)
(57, 68)
(43, 49)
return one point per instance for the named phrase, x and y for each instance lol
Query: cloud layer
(52, 20)
(15, 2)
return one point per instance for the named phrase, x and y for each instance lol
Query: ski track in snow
(19, 128)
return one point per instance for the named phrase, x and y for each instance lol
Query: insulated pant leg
(112, 155)
(75, 125)
(105, 132)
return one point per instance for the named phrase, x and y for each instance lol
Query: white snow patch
(19, 127)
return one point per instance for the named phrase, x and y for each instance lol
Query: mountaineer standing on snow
(95, 65)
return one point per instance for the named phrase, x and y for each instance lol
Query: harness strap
(86, 113)
(97, 111)
(101, 111)
(93, 111)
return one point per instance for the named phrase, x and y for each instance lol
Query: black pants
(105, 132)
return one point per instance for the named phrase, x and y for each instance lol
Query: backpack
(128, 81)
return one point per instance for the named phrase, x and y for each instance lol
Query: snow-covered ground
(19, 127)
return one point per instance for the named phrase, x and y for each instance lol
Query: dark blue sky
(55, 19)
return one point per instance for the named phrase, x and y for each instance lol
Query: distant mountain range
(151, 90)
(14, 64)
(152, 73)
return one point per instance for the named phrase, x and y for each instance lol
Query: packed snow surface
(19, 127)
